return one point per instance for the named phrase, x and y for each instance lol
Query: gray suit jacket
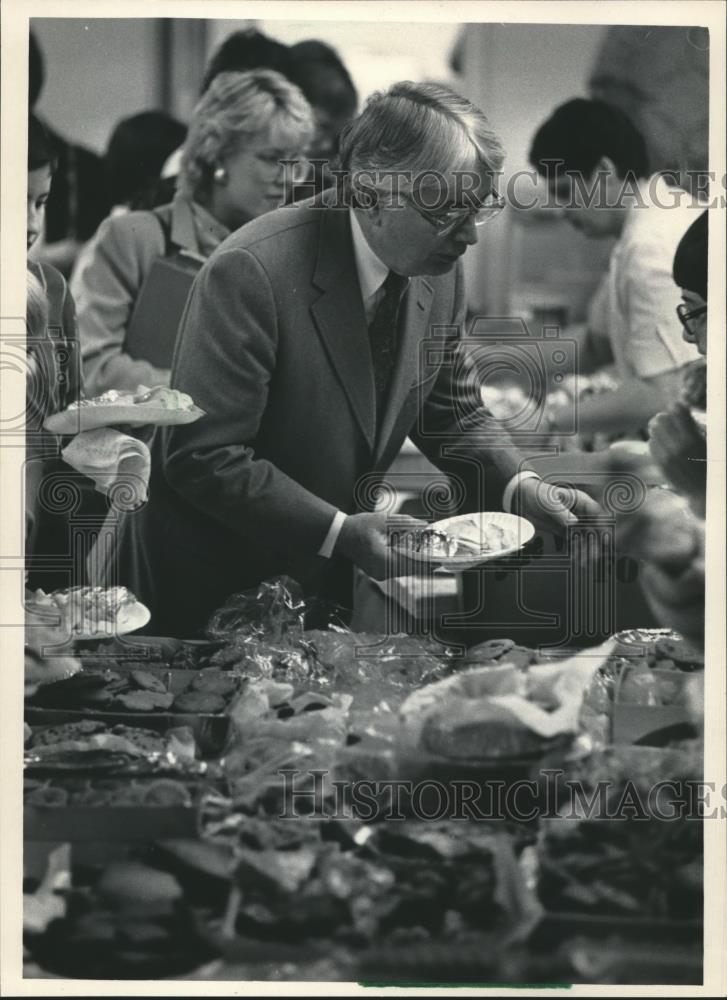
(274, 347)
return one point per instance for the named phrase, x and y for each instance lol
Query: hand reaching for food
(679, 447)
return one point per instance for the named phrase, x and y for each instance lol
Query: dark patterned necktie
(383, 335)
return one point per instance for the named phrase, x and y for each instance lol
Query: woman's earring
(220, 175)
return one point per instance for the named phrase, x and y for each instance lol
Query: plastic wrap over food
(272, 610)
(547, 700)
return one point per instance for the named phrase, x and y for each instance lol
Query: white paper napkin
(118, 464)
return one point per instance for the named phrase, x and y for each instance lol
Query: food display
(156, 792)
(159, 405)
(649, 869)
(127, 921)
(68, 742)
(433, 543)
(46, 654)
(90, 612)
(250, 853)
(465, 541)
(137, 690)
(501, 711)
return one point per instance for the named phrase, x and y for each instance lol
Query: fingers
(585, 506)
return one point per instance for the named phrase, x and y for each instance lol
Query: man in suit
(316, 338)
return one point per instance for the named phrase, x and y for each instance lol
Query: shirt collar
(649, 192)
(210, 231)
(193, 228)
(371, 270)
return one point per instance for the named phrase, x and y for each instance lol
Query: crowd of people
(309, 286)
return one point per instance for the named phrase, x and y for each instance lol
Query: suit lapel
(417, 306)
(340, 319)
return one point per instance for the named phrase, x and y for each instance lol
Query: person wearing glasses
(677, 442)
(316, 339)
(595, 163)
(243, 130)
(667, 532)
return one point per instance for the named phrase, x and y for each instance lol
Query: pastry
(145, 701)
(214, 682)
(199, 701)
(492, 649)
(478, 731)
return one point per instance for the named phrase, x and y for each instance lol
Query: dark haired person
(311, 65)
(303, 341)
(595, 163)
(78, 200)
(244, 50)
(677, 443)
(53, 380)
(136, 153)
(319, 72)
(667, 533)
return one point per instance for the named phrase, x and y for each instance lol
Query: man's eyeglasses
(687, 316)
(449, 221)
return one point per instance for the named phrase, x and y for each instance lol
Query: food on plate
(214, 682)
(90, 611)
(518, 656)
(129, 921)
(492, 649)
(466, 539)
(160, 396)
(199, 701)
(479, 732)
(166, 792)
(113, 397)
(130, 885)
(145, 701)
(119, 792)
(638, 685)
(148, 681)
(499, 711)
(159, 405)
(430, 542)
(91, 735)
(135, 691)
(104, 690)
(681, 652)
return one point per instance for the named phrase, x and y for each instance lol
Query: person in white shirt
(595, 163)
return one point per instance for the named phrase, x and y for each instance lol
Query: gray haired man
(316, 339)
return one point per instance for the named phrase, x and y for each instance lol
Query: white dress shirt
(372, 273)
(641, 297)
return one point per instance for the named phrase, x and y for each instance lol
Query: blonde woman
(243, 129)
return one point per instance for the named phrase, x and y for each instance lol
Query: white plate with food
(90, 613)
(465, 541)
(158, 406)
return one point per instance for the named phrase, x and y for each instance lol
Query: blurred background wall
(100, 70)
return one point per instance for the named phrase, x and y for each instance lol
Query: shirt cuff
(329, 543)
(509, 491)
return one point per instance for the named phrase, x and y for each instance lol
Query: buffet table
(267, 805)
